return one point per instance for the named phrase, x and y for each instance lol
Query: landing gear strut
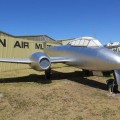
(112, 84)
(87, 73)
(48, 75)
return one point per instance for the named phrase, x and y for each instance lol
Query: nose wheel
(112, 86)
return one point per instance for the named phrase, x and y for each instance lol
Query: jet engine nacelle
(41, 61)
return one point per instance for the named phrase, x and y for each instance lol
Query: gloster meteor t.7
(87, 53)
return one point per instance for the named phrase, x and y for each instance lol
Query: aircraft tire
(48, 76)
(87, 73)
(112, 86)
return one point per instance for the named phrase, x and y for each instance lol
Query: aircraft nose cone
(117, 58)
(114, 60)
(109, 60)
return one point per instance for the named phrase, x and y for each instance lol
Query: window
(86, 42)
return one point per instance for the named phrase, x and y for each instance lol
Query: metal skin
(93, 58)
(40, 61)
(90, 58)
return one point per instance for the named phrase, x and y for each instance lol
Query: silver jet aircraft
(87, 53)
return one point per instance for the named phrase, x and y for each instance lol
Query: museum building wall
(21, 47)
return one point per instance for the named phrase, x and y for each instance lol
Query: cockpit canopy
(86, 42)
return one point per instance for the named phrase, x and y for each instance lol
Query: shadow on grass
(76, 76)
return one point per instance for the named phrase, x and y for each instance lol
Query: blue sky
(62, 19)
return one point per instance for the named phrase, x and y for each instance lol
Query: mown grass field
(24, 96)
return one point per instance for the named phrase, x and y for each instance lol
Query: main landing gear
(87, 73)
(48, 76)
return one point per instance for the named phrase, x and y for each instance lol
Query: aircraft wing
(16, 60)
(59, 59)
(28, 61)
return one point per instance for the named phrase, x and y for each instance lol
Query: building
(114, 46)
(22, 47)
(66, 41)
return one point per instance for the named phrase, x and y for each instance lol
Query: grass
(68, 97)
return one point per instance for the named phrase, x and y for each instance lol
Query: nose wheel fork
(112, 86)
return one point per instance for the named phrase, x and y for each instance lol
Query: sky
(62, 19)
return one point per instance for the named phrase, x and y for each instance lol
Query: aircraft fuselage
(91, 58)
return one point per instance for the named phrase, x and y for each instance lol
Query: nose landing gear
(112, 86)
